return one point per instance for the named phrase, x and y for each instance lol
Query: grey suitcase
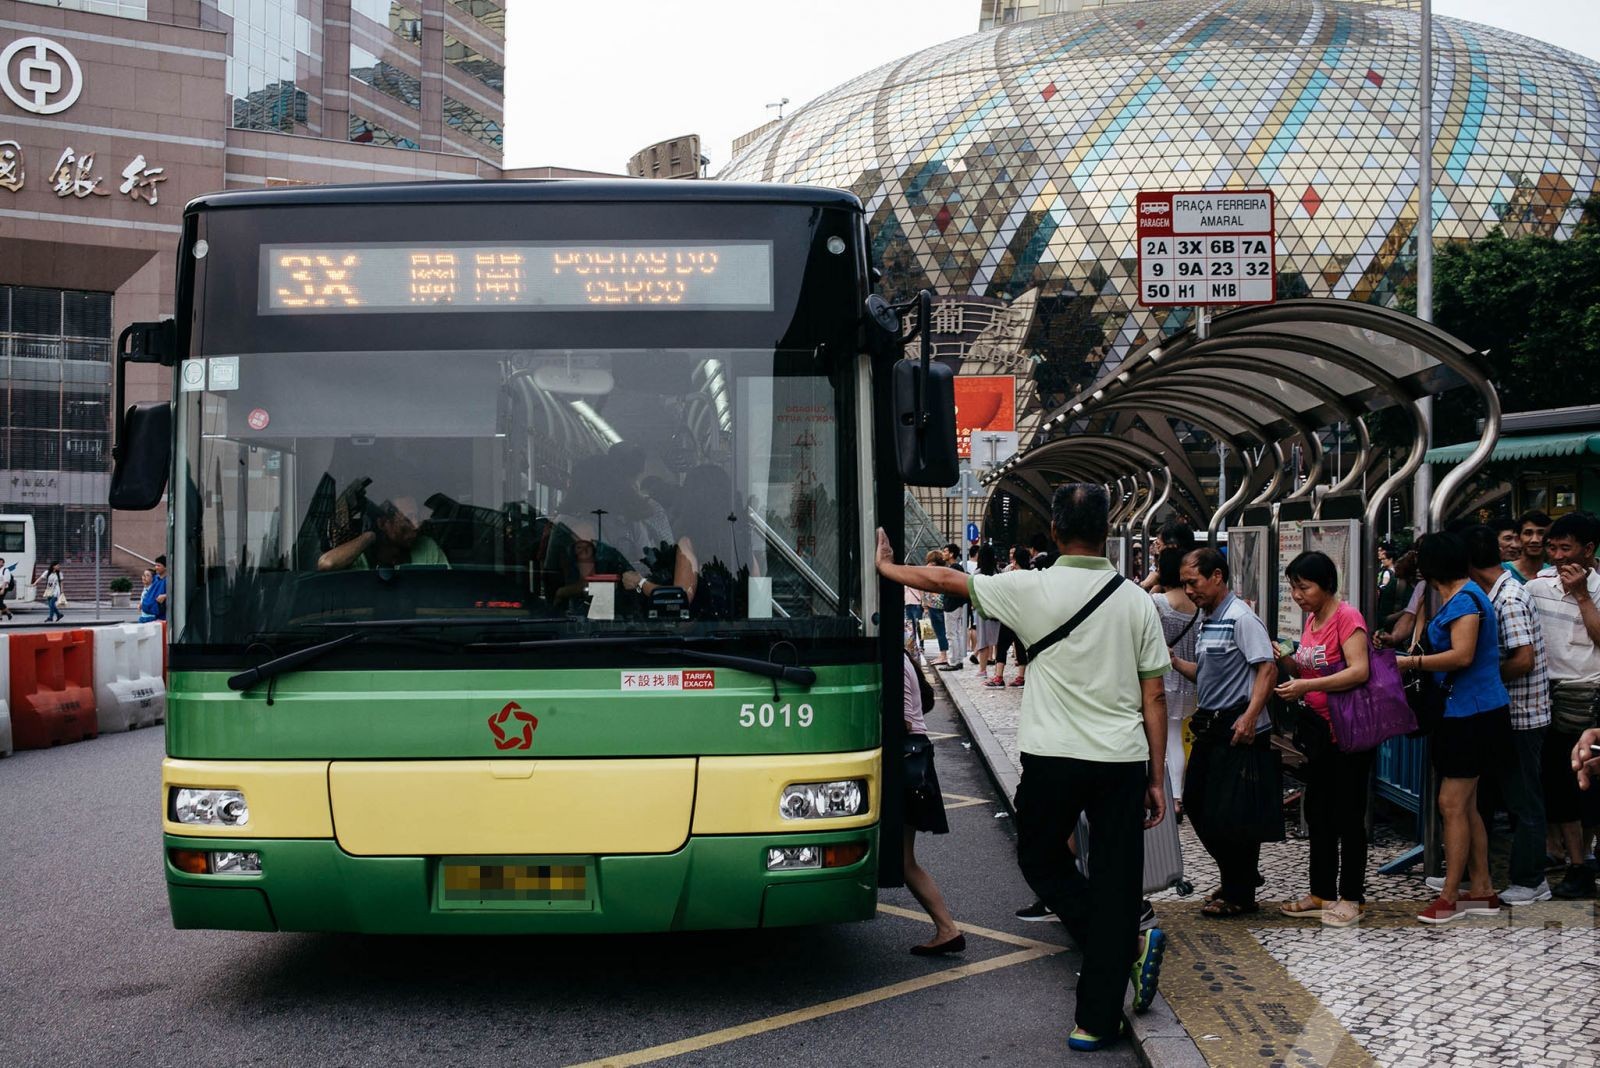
(1163, 854)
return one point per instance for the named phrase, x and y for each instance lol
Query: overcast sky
(589, 84)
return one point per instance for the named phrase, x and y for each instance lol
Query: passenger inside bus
(389, 535)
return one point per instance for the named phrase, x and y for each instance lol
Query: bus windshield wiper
(301, 657)
(452, 622)
(673, 645)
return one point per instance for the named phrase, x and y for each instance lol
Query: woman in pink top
(1332, 657)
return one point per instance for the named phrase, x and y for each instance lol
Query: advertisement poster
(1247, 565)
(983, 402)
(1291, 543)
(1337, 538)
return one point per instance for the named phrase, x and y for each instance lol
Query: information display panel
(544, 276)
(1208, 248)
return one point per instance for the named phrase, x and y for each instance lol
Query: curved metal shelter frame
(1261, 381)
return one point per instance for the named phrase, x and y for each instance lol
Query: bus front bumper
(711, 882)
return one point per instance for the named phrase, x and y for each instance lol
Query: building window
(366, 132)
(385, 77)
(406, 24)
(268, 37)
(278, 106)
(469, 59)
(128, 9)
(55, 413)
(472, 122)
(488, 12)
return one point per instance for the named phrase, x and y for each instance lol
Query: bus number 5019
(768, 715)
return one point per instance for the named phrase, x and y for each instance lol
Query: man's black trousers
(1101, 912)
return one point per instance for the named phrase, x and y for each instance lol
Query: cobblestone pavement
(1517, 989)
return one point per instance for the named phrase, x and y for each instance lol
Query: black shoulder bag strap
(1072, 624)
(1187, 627)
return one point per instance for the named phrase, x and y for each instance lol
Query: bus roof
(540, 190)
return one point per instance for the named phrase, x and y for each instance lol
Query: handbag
(925, 630)
(917, 754)
(1236, 791)
(1377, 710)
(1572, 706)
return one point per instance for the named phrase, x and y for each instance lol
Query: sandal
(1342, 914)
(1221, 909)
(995, 682)
(1018, 681)
(1310, 905)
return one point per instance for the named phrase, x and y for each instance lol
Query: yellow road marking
(814, 1012)
(962, 801)
(1034, 951)
(982, 932)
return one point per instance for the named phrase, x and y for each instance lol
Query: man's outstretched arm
(931, 579)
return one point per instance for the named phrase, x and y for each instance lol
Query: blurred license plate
(514, 882)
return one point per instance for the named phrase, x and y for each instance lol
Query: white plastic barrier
(5, 696)
(128, 688)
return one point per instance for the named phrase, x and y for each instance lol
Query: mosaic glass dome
(1007, 162)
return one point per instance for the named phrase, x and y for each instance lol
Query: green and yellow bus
(522, 557)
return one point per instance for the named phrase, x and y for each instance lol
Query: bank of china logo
(40, 75)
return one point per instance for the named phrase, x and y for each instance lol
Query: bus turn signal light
(190, 861)
(843, 855)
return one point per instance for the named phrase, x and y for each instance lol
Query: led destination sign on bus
(351, 279)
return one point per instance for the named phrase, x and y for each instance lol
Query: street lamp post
(1423, 487)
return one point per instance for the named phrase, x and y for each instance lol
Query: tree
(1533, 304)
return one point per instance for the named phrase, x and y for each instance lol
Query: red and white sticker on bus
(689, 679)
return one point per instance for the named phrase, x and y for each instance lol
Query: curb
(1158, 1036)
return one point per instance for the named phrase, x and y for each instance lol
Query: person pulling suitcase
(1092, 743)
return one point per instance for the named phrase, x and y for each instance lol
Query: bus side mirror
(142, 449)
(924, 394)
(142, 456)
(927, 451)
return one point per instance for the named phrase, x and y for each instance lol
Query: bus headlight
(823, 800)
(228, 862)
(209, 808)
(788, 858)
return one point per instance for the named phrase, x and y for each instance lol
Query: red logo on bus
(522, 726)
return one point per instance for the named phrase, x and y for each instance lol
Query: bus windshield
(678, 490)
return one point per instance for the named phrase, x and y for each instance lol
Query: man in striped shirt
(1525, 671)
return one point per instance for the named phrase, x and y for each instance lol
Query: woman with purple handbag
(1331, 658)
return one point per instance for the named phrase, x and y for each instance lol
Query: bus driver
(395, 540)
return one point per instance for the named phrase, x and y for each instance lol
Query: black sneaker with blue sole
(1147, 967)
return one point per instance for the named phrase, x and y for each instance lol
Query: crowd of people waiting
(1502, 624)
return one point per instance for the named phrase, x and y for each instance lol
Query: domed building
(1006, 164)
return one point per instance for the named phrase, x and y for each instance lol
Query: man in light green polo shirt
(395, 540)
(1093, 738)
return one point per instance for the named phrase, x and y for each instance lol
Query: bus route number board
(1206, 248)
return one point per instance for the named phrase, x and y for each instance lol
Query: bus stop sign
(1207, 248)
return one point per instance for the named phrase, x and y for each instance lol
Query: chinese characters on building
(74, 175)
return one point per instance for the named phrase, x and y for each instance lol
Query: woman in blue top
(1476, 729)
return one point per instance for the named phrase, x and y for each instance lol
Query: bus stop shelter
(1263, 386)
